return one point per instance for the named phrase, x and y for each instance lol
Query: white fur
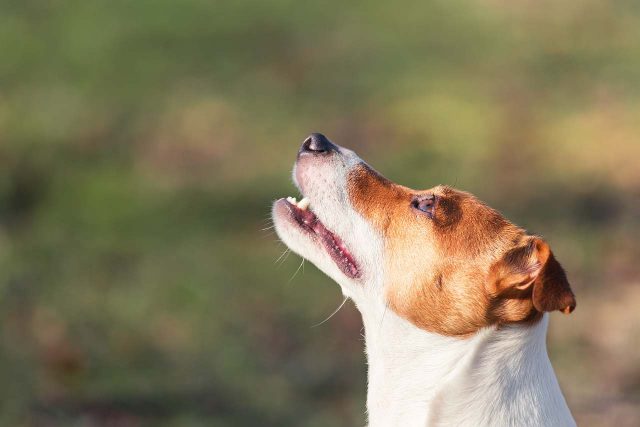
(497, 377)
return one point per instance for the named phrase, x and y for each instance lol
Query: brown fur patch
(460, 270)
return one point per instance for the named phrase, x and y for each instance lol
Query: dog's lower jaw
(498, 377)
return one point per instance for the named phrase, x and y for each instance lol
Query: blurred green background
(142, 142)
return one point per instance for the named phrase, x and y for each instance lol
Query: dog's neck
(499, 376)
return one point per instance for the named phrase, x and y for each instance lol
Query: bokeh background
(142, 142)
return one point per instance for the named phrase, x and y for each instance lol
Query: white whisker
(332, 314)
(285, 257)
(286, 251)
(294, 274)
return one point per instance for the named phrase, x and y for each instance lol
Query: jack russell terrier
(454, 298)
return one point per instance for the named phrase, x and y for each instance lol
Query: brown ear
(534, 266)
(551, 290)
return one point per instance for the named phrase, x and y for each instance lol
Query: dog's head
(439, 257)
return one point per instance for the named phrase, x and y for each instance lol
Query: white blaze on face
(322, 180)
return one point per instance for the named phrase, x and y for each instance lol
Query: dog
(455, 299)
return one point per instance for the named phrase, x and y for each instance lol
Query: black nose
(317, 143)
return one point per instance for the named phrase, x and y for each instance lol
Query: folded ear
(533, 265)
(551, 290)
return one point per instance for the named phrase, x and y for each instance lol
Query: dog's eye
(425, 204)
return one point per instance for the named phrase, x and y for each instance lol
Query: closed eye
(425, 204)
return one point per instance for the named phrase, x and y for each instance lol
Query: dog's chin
(305, 235)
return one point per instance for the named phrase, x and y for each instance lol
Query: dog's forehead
(461, 222)
(466, 224)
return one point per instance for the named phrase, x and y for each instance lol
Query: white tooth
(304, 203)
(292, 200)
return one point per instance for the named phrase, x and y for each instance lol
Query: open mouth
(309, 222)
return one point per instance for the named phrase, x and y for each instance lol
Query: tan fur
(465, 268)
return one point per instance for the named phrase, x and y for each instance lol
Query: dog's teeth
(303, 204)
(292, 200)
